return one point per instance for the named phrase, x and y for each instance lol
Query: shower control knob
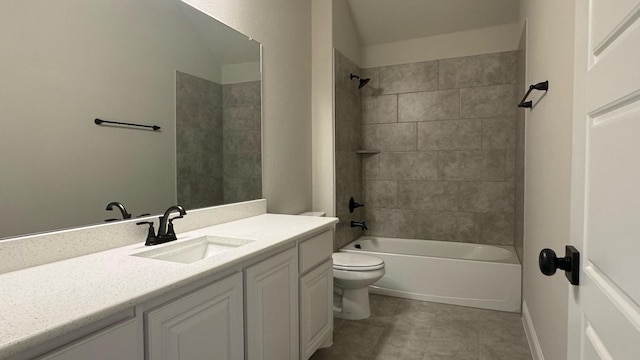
(353, 205)
(549, 262)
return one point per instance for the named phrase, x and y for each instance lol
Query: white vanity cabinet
(274, 304)
(119, 341)
(205, 324)
(316, 293)
(272, 307)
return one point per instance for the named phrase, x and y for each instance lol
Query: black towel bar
(100, 122)
(542, 86)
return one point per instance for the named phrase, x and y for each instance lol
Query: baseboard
(530, 331)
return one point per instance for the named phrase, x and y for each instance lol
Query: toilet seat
(356, 262)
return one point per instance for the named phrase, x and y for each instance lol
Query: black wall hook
(542, 86)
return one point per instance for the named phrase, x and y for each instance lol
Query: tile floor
(402, 329)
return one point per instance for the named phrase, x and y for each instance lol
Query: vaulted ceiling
(383, 21)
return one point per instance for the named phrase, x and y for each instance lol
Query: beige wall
(322, 107)
(332, 27)
(463, 43)
(345, 35)
(283, 27)
(550, 47)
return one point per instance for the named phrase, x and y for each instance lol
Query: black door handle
(549, 262)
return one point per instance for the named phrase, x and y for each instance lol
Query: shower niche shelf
(367, 151)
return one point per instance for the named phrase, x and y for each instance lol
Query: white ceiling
(383, 21)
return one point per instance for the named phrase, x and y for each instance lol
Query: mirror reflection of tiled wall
(218, 141)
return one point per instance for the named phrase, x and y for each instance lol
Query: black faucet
(359, 224)
(123, 211)
(165, 230)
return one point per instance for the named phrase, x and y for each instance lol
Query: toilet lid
(356, 262)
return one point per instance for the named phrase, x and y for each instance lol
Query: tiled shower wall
(218, 140)
(348, 139)
(446, 135)
(198, 141)
(242, 142)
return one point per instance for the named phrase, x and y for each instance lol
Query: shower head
(363, 82)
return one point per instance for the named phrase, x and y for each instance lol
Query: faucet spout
(119, 206)
(360, 224)
(165, 232)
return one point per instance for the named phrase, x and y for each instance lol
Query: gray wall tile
(373, 87)
(452, 157)
(370, 166)
(480, 70)
(380, 194)
(487, 196)
(391, 222)
(241, 94)
(448, 226)
(408, 165)
(242, 189)
(450, 135)
(510, 164)
(390, 137)
(348, 113)
(428, 195)
(422, 76)
(471, 165)
(348, 138)
(242, 165)
(488, 101)
(498, 133)
(241, 118)
(380, 109)
(497, 228)
(430, 105)
(242, 141)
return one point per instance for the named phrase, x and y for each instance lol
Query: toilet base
(355, 304)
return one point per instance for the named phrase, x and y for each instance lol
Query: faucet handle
(170, 231)
(151, 234)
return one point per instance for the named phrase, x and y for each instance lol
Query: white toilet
(352, 275)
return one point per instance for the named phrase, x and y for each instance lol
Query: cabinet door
(316, 309)
(272, 308)
(204, 325)
(119, 341)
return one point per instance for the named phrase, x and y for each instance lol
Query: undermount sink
(190, 251)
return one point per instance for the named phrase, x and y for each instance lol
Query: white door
(604, 311)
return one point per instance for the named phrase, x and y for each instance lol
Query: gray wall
(446, 134)
(348, 139)
(218, 138)
(242, 141)
(198, 141)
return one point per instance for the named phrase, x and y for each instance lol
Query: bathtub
(476, 275)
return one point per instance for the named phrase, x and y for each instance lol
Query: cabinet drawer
(315, 250)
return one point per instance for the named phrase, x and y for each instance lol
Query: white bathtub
(482, 276)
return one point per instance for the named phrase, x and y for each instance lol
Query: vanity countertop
(41, 303)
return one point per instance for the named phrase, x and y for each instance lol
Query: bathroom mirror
(65, 63)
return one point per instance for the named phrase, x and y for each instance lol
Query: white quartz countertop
(44, 302)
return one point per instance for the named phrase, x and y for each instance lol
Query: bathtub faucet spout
(359, 224)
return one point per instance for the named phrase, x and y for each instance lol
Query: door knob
(549, 262)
